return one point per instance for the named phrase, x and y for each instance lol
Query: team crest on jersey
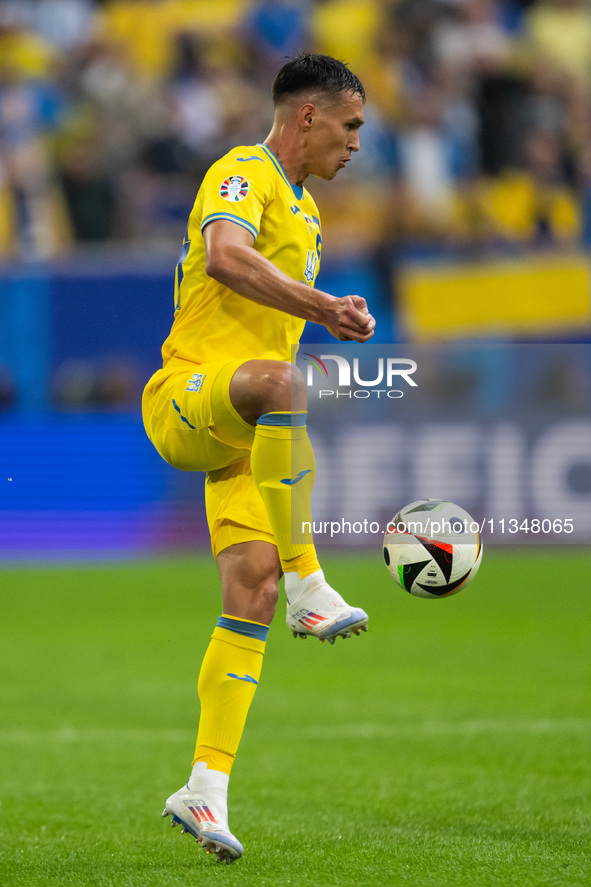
(311, 265)
(234, 188)
(196, 382)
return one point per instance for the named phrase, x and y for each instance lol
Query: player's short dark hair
(310, 72)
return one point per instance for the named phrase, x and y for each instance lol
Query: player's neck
(288, 154)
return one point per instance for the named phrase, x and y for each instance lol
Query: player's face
(335, 134)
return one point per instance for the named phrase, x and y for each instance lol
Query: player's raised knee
(267, 386)
(283, 388)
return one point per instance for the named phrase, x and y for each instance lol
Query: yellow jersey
(248, 186)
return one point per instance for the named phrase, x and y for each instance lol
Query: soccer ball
(432, 548)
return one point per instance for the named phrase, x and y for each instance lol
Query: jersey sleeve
(236, 189)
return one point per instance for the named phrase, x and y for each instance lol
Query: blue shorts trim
(289, 420)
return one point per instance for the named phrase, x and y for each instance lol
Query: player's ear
(306, 115)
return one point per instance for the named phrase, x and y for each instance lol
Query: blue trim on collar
(297, 189)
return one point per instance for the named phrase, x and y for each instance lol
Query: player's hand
(349, 320)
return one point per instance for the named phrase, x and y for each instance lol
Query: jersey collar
(297, 189)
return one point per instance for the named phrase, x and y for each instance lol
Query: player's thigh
(189, 418)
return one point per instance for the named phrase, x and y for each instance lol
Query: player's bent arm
(232, 260)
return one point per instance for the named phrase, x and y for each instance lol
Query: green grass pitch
(450, 745)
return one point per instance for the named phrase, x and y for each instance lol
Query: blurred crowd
(477, 135)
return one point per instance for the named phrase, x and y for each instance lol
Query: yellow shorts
(191, 421)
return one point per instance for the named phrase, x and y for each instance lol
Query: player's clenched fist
(348, 319)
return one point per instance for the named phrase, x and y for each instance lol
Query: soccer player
(230, 402)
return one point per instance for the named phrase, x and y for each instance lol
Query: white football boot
(199, 815)
(314, 608)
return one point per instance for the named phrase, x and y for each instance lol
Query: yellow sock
(304, 564)
(283, 469)
(227, 682)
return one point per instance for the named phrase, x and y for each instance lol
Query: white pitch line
(492, 726)
(452, 728)
(72, 735)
